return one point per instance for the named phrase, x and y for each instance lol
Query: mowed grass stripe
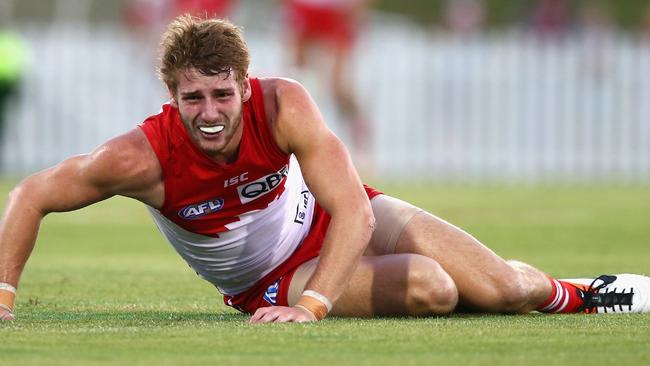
(103, 288)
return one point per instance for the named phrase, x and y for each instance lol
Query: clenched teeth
(212, 129)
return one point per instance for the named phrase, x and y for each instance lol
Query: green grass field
(103, 288)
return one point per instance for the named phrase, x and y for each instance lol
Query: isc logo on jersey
(195, 211)
(260, 187)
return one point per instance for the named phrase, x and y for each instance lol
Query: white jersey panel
(253, 246)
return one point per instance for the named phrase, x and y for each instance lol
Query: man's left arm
(328, 171)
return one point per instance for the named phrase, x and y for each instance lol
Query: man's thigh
(391, 217)
(485, 281)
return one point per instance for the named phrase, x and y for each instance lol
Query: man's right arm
(124, 166)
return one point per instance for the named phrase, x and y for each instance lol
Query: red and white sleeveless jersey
(232, 223)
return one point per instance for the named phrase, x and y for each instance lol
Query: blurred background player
(144, 13)
(210, 8)
(332, 27)
(551, 19)
(465, 17)
(147, 18)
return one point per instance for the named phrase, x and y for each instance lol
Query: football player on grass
(247, 183)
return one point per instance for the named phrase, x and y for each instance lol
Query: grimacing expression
(211, 109)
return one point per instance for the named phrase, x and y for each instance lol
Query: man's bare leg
(348, 105)
(485, 281)
(415, 258)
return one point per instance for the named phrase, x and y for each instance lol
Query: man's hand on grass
(282, 314)
(6, 313)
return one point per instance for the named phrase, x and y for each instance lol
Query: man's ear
(246, 90)
(172, 97)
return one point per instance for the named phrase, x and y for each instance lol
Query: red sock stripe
(564, 298)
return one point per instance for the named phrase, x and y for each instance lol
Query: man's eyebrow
(196, 92)
(190, 93)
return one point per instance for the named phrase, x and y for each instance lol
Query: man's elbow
(367, 219)
(17, 193)
(25, 194)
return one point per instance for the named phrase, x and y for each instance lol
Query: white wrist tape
(7, 287)
(319, 297)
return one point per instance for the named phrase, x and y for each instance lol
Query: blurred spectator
(148, 18)
(551, 18)
(464, 17)
(331, 27)
(146, 15)
(596, 30)
(209, 8)
(645, 26)
(12, 63)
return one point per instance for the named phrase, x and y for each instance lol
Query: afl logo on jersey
(195, 211)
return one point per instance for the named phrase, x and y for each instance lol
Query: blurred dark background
(627, 14)
(514, 91)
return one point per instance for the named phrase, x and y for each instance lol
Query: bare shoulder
(281, 92)
(289, 108)
(126, 165)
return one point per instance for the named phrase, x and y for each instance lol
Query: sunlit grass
(102, 287)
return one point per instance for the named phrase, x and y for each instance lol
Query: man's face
(211, 110)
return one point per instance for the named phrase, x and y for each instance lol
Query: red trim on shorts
(253, 298)
(371, 192)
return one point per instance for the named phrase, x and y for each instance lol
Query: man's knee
(431, 291)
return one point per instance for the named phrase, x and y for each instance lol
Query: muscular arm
(333, 180)
(125, 165)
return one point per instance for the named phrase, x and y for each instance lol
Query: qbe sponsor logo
(197, 210)
(260, 187)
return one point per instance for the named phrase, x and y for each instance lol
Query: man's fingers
(270, 317)
(259, 314)
(265, 315)
(281, 314)
(6, 315)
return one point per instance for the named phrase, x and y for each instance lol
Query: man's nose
(210, 111)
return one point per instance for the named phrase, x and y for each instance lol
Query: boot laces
(593, 298)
